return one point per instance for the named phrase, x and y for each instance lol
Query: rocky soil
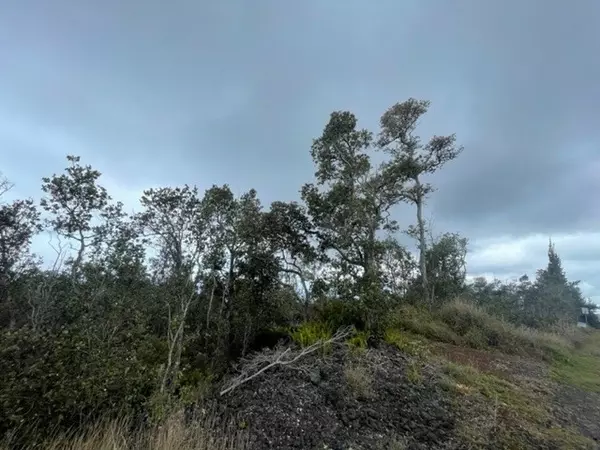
(385, 399)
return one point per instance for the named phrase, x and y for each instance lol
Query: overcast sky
(156, 93)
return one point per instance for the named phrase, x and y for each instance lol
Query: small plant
(359, 381)
(413, 373)
(359, 342)
(406, 342)
(309, 333)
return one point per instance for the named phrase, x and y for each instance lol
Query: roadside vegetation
(148, 330)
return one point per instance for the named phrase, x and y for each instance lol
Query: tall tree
(289, 231)
(351, 200)
(74, 199)
(446, 265)
(415, 160)
(557, 299)
(173, 223)
(19, 221)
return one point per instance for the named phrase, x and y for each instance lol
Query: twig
(280, 361)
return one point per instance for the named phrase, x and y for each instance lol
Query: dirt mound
(341, 401)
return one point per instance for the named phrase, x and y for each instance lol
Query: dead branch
(285, 358)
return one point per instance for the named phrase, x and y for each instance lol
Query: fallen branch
(280, 360)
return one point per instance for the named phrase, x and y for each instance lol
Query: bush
(63, 378)
(309, 333)
(340, 313)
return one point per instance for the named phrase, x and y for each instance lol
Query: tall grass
(463, 323)
(174, 433)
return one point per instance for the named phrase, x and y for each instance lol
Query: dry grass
(482, 330)
(359, 380)
(174, 433)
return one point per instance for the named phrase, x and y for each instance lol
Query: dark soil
(311, 406)
(404, 403)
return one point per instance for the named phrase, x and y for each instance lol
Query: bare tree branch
(284, 358)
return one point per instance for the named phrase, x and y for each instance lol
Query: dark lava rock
(310, 405)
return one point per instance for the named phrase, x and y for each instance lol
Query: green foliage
(481, 330)
(60, 378)
(360, 340)
(406, 342)
(582, 366)
(310, 333)
(418, 320)
(116, 332)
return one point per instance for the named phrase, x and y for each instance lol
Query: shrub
(359, 381)
(64, 378)
(340, 313)
(360, 341)
(309, 333)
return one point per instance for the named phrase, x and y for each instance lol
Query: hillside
(530, 390)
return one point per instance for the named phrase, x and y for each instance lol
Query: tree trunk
(422, 241)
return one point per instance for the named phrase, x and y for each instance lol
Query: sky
(155, 93)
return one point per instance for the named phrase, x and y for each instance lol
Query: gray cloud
(233, 91)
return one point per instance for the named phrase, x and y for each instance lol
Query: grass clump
(406, 342)
(359, 380)
(310, 333)
(359, 342)
(172, 433)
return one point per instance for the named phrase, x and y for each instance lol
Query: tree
(556, 299)
(5, 185)
(446, 265)
(74, 199)
(173, 222)
(415, 160)
(19, 221)
(398, 268)
(288, 229)
(236, 243)
(351, 201)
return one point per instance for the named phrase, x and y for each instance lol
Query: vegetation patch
(418, 320)
(406, 342)
(310, 333)
(500, 414)
(582, 368)
(481, 330)
(359, 380)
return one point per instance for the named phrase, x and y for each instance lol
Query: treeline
(137, 311)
